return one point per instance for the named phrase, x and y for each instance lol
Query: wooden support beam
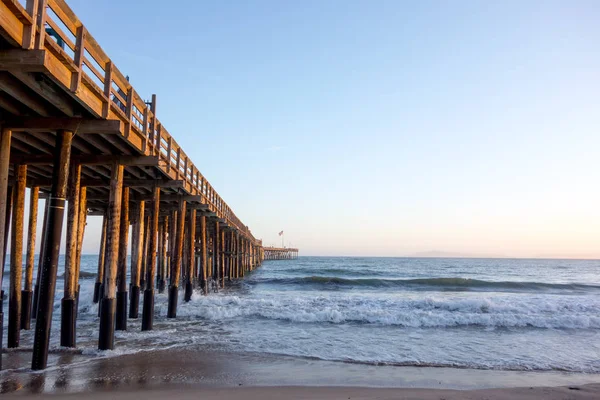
(203, 255)
(16, 258)
(5, 139)
(80, 126)
(82, 222)
(67, 326)
(56, 207)
(146, 255)
(47, 91)
(121, 317)
(27, 293)
(163, 235)
(191, 273)
(222, 258)
(93, 183)
(106, 338)
(148, 312)
(176, 269)
(16, 90)
(101, 260)
(136, 259)
(216, 251)
(44, 159)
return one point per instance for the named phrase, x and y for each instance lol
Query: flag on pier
(281, 233)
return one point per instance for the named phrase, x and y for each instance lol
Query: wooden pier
(280, 253)
(76, 133)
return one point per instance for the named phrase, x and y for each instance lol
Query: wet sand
(189, 373)
(336, 393)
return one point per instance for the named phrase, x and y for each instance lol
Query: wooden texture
(34, 194)
(123, 240)
(113, 231)
(16, 258)
(72, 232)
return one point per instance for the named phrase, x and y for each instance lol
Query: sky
(379, 128)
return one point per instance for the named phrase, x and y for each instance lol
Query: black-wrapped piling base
(97, 288)
(1, 332)
(26, 298)
(77, 301)
(189, 290)
(121, 317)
(162, 284)
(67, 323)
(134, 302)
(106, 339)
(148, 310)
(36, 291)
(172, 309)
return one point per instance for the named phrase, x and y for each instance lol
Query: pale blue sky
(379, 127)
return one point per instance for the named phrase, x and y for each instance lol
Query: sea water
(505, 314)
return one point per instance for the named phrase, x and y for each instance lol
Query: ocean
(499, 314)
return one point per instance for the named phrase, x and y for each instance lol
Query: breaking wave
(428, 312)
(459, 284)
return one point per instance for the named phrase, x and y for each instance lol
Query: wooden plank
(11, 28)
(9, 85)
(65, 14)
(124, 160)
(81, 126)
(47, 92)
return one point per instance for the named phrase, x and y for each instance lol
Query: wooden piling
(67, 317)
(191, 274)
(56, 209)
(163, 233)
(121, 317)
(146, 255)
(203, 250)
(176, 268)
(172, 242)
(82, 222)
(106, 338)
(101, 259)
(222, 251)
(148, 311)
(5, 139)
(40, 261)
(27, 293)
(8, 218)
(216, 252)
(136, 260)
(16, 257)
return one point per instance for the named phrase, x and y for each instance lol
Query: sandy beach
(190, 373)
(339, 393)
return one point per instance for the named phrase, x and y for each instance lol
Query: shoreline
(586, 392)
(193, 370)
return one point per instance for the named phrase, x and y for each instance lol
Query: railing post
(145, 131)
(107, 88)
(29, 31)
(178, 162)
(129, 110)
(40, 24)
(158, 145)
(153, 123)
(169, 148)
(78, 58)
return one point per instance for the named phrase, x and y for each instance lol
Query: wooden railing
(51, 25)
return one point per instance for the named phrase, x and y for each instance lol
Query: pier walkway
(280, 253)
(77, 133)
